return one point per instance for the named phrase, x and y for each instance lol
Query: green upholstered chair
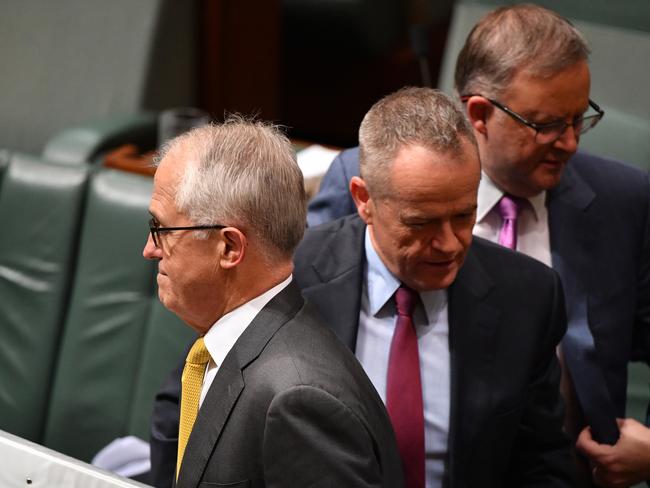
(620, 46)
(104, 327)
(88, 142)
(117, 346)
(71, 62)
(166, 339)
(40, 212)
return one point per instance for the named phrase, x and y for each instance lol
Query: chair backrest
(114, 352)
(618, 72)
(71, 61)
(104, 327)
(40, 212)
(166, 338)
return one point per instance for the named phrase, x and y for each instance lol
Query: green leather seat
(40, 211)
(104, 327)
(117, 345)
(166, 339)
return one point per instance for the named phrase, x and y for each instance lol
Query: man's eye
(552, 127)
(416, 224)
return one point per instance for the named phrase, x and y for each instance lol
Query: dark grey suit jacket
(290, 406)
(599, 224)
(506, 316)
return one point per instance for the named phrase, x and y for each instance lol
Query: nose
(568, 141)
(151, 251)
(445, 240)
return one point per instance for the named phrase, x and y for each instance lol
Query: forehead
(165, 184)
(424, 181)
(566, 91)
(420, 174)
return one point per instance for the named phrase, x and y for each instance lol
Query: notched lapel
(573, 232)
(339, 266)
(473, 326)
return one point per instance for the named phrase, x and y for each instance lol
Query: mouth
(441, 264)
(552, 162)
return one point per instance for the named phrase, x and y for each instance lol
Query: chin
(550, 178)
(428, 283)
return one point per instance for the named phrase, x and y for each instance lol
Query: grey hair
(410, 116)
(243, 173)
(512, 38)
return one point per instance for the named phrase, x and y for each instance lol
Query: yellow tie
(192, 380)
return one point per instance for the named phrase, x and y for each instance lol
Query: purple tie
(508, 208)
(404, 390)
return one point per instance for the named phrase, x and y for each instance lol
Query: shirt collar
(489, 195)
(223, 334)
(382, 285)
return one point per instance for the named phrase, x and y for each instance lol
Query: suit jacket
(506, 412)
(290, 406)
(599, 225)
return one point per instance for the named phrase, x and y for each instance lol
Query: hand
(623, 464)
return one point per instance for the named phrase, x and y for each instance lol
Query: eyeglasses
(551, 132)
(156, 230)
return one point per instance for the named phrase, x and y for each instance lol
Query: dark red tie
(404, 390)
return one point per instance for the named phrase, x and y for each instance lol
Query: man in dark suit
(524, 80)
(269, 396)
(487, 322)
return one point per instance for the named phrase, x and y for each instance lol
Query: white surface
(21, 460)
(315, 160)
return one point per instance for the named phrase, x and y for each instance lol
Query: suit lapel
(473, 324)
(340, 266)
(229, 383)
(573, 232)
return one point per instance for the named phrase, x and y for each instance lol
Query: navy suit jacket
(599, 224)
(506, 412)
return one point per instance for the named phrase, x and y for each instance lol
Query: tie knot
(405, 300)
(199, 353)
(509, 207)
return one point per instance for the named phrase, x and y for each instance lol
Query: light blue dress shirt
(376, 326)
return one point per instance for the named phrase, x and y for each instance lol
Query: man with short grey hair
(524, 79)
(469, 375)
(269, 396)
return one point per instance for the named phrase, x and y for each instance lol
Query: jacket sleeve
(641, 343)
(541, 455)
(163, 439)
(333, 199)
(312, 439)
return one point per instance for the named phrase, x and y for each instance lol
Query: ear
(478, 112)
(233, 248)
(361, 197)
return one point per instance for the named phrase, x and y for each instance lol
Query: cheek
(464, 234)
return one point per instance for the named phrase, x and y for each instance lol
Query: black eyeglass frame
(551, 125)
(155, 229)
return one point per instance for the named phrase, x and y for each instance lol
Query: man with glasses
(268, 395)
(524, 80)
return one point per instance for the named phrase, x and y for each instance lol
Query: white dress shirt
(533, 238)
(223, 334)
(377, 320)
